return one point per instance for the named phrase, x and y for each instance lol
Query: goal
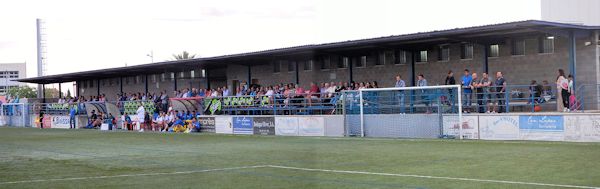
(406, 112)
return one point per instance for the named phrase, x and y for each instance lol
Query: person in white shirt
(159, 122)
(225, 91)
(140, 115)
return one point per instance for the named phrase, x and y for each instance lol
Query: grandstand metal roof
(479, 34)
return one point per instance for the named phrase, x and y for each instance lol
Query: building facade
(10, 72)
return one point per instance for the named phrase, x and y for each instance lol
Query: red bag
(573, 103)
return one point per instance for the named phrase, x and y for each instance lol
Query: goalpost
(407, 112)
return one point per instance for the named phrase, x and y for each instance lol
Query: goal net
(407, 112)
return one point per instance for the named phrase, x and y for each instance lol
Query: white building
(9, 72)
(584, 12)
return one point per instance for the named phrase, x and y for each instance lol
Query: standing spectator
(450, 81)
(41, 119)
(562, 86)
(72, 114)
(400, 96)
(164, 100)
(485, 88)
(476, 86)
(500, 86)
(140, 112)
(422, 82)
(226, 91)
(466, 85)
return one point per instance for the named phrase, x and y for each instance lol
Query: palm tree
(184, 56)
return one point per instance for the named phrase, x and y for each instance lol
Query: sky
(86, 35)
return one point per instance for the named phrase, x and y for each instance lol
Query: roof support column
(59, 90)
(412, 68)
(121, 85)
(146, 84)
(297, 73)
(98, 87)
(350, 72)
(486, 54)
(207, 78)
(174, 81)
(76, 84)
(573, 57)
(249, 76)
(43, 93)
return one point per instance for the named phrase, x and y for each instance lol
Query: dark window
(291, 66)
(276, 67)
(308, 64)
(422, 56)
(466, 51)
(380, 59)
(402, 57)
(361, 61)
(518, 47)
(325, 63)
(546, 44)
(444, 53)
(91, 83)
(344, 62)
(494, 50)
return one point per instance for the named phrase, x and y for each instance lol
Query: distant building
(9, 72)
(584, 12)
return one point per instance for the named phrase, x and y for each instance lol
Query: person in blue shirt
(188, 115)
(178, 125)
(194, 125)
(128, 122)
(72, 114)
(467, 79)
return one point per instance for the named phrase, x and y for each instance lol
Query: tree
(22, 92)
(184, 56)
(68, 93)
(51, 93)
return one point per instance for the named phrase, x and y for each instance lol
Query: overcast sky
(85, 35)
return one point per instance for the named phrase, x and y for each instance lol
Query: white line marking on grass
(133, 175)
(432, 177)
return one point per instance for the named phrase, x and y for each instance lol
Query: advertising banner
(311, 126)
(470, 126)
(242, 125)
(499, 127)
(286, 126)
(223, 125)
(60, 122)
(541, 127)
(264, 125)
(582, 128)
(207, 124)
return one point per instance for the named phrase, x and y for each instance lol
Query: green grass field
(52, 158)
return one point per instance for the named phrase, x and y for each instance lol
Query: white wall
(586, 12)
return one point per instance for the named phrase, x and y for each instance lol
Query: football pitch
(53, 158)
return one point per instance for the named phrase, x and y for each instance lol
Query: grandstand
(339, 116)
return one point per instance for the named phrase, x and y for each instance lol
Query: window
(402, 57)
(137, 79)
(361, 62)
(91, 83)
(422, 57)
(276, 67)
(325, 63)
(203, 73)
(153, 78)
(444, 53)
(380, 59)
(546, 44)
(518, 47)
(344, 63)
(466, 51)
(192, 73)
(291, 66)
(181, 74)
(308, 65)
(83, 84)
(494, 50)
(172, 76)
(163, 76)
